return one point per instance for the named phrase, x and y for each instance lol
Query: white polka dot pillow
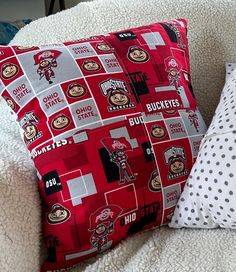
(209, 196)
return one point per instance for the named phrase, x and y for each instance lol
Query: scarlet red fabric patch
(113, 128)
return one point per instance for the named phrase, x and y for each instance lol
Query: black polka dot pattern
(229, 69)
(209, 199)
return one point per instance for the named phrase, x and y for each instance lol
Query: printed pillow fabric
(208, 199)
(113, 128)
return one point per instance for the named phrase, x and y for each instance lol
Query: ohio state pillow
(113, 128)
(208, 199)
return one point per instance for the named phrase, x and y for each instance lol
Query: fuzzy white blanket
(162, 250)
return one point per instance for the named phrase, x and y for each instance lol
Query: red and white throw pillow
(113, 128)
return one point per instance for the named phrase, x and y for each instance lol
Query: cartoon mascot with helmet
(46, 61)
(102, 224)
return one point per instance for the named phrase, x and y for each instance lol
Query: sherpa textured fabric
(211, 25)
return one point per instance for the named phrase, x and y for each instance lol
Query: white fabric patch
(229, 70)
(209, 196)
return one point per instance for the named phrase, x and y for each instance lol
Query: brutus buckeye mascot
(173, 67)
(46, 61)
(193, 118)
(117, 148)
(102, 224)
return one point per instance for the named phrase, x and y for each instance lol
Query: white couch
(212, 42)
